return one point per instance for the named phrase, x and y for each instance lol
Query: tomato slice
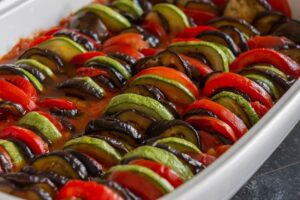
(154, 28)
(267, 42)
(88, 190)
(84, 57)
(243, 84)
(137, 184)
(260, 109)
(62, 104)
(23, 84)
(34, 142)
(223, 113)
(204, 158)
(125, 49)
(40, 40)
(218, 151)
(150, 51)
(200, 17)
(194, 31)
(282, 6)
(202, 68)
(171, 74)
(167, 173)
(134, 40)
(90, 72)
(14, 94)
(267, 56)
(221, 3)
(185, 40)
(212, 124)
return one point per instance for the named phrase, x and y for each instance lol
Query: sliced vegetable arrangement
(131, 99)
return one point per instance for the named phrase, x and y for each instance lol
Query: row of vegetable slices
(139, 93)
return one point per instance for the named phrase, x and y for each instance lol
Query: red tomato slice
(267, 56)
(14, 94)
(62, 104)
(184, 40)
(267, 42)
(200, 17)
(223, 113)
(203, 158)
(40, 40)
(281, 6)
(125, 49)
(212, 124)
(34, 142)
(218, 151)
(171, 74)
(137, 184)
(23, 84)
(150, 51)
(260, 109)
(134, 40)
(220, 3)
(88, 190)
(202, 68)
(84, 57)
(90, 72)
(243, 84)
(194, 31)
(53, 120)
(154, 28)
(167, 173)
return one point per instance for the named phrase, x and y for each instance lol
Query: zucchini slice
(128, 6)
(215, 55)
(39, 66)
(114, 21)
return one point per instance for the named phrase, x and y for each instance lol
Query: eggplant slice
(174, 128)
(237, 36)
(12, 108)
(290, 50)
(290, 30)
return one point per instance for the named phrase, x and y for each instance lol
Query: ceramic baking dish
(224, 177)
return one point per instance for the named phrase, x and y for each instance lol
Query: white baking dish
(224, 177)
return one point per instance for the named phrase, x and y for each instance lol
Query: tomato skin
(184, 40)
(148, 191)
(154, 28)
(212, 124)
(218, 151)
(14, 94)
(40, 40)
(220, 3)
(170, 73)
(62, 104)
(267, 42)
(150, 51)
(90, 72)
(170, 175)
(260, 109)
(243, 84)
(87, 190)
(23, 84)
(84, 57)
(223, 113)
(125, 49)
(134, 40)
(192, 32)
(282, 6)
(204, 158)
(34, 142)
(200, 17)
(200, 67)
(267, 56)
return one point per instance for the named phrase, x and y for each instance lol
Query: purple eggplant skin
(114, 142)
(265, 21)
(113, 125)
(73, 113)
(195, 166)
(45, 53)
(125, 60)
(58, 180)
(290, 50)
(12, 108)
(201, 112)
(89, 24)
(24, 148)
(174, 128)
(241, 24)
(290, 30)
(146, 90)
(11, 69)
(34, 71)
(93, 167)
(78, 38)
(74, 163)
(122, 191)
(5, 164)
(225, 38)
(237, 36)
